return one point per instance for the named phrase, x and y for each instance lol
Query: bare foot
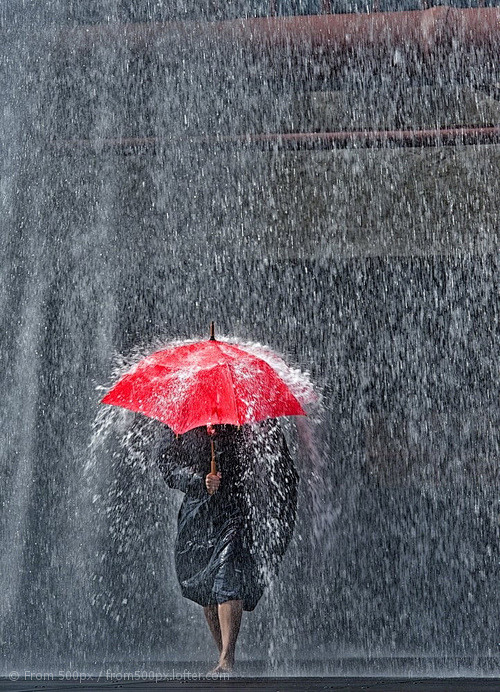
(224, 666)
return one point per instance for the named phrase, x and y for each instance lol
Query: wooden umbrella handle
(213, 469)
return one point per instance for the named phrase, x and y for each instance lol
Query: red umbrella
(209, 382)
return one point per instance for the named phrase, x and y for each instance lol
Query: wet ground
(283, 684)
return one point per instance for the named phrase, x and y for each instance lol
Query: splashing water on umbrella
(131, 431)
(126, 485)
(222, 384)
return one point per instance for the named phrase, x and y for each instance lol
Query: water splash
(133, 439)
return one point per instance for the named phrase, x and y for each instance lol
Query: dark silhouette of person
(233, 526)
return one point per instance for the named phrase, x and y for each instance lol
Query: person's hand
(212, 482)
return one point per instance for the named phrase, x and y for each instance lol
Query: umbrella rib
(233, 394)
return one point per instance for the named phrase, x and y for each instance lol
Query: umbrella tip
(212, 331)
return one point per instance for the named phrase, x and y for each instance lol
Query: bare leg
(213, 623)
(230, 614)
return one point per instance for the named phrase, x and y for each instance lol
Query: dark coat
(229, 544)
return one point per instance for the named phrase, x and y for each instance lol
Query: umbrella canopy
(210, 382)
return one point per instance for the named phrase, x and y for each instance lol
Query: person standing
(234, 526)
